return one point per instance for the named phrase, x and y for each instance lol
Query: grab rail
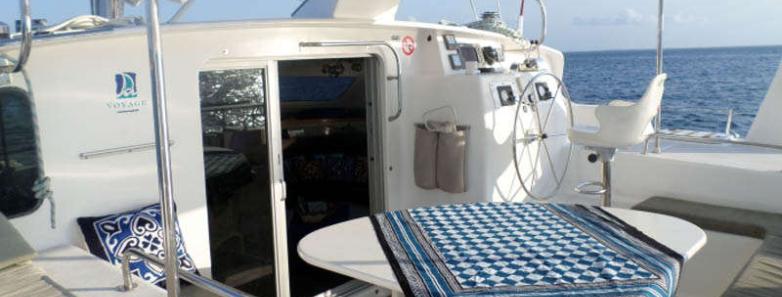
(474, 10)
(212, 286)
(692, 139)
(181, 12)
(398, 77)
(27, 36)
(119, 150)
(543, 27)
(658, 120)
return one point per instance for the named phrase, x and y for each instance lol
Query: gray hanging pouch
(425, 158)
(451, 161)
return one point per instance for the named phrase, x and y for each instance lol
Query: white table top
(351, 248)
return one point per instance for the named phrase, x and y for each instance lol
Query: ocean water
(703, 84)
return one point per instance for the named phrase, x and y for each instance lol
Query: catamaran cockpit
(344, 153)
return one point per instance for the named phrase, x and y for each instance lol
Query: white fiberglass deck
(723, 155)
(728, 175)
(717, 265)
(721, 174)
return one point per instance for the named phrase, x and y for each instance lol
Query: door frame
(274, 138)
(376, 130)
(376, 90)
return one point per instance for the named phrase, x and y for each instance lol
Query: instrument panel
(486, 57)
(506, 93)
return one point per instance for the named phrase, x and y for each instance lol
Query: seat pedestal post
(607, 160)
(606, 157)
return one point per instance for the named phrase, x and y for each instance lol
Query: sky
(574, 25)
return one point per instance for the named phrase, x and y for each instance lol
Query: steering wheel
(541, 148)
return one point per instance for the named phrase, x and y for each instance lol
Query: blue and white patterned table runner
(516, 249)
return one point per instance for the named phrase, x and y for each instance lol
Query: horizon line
(670, 48)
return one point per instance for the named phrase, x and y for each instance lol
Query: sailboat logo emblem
(126, 85)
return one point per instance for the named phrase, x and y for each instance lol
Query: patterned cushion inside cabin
(326, 168)
(108, 237)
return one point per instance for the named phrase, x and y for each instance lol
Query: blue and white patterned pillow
(108, 237)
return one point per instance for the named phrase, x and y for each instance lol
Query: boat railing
(207, 284)
(120, 150)
(658, 122)
(713, 140)
(713, 112)
(27, 38)
(700, 135)
(705, 137)
(181, 12)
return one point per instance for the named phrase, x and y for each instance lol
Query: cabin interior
(324, 115)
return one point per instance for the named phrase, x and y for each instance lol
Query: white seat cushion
(622, 123)
(622, 103)
(586, 135)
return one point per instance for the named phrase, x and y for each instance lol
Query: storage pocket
(425, 166)
(451, 154)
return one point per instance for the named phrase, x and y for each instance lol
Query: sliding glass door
(245, 192)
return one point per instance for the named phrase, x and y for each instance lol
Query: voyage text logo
(126, 94)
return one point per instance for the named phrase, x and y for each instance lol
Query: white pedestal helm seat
(621, 124)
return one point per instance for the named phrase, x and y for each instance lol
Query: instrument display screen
(450, 42)
(468, 53)
(456, 62)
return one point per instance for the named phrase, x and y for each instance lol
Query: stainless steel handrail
(398, 77)
(716, 141)
(543, 27)
(729, 123)
(197, 280)
(658, 122)
(181, 12)
(162, 146)
(119, 150)
(27, 36)
(474, 10)
(230, 106)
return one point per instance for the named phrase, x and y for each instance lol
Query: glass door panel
(239, 179)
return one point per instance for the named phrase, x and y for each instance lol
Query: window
(19, 163)
(232, 99)
(313, 88)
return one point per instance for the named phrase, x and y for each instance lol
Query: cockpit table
(352, 248)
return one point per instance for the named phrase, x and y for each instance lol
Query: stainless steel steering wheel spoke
(550, 162)
(551, 107)
(557, 151)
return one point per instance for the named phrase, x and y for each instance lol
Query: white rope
(78, 23)
(87, 22)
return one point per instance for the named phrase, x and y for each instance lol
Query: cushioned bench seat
(762, 276)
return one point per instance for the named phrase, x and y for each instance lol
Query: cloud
(631, 17)
(681, 18)
(628, 17)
